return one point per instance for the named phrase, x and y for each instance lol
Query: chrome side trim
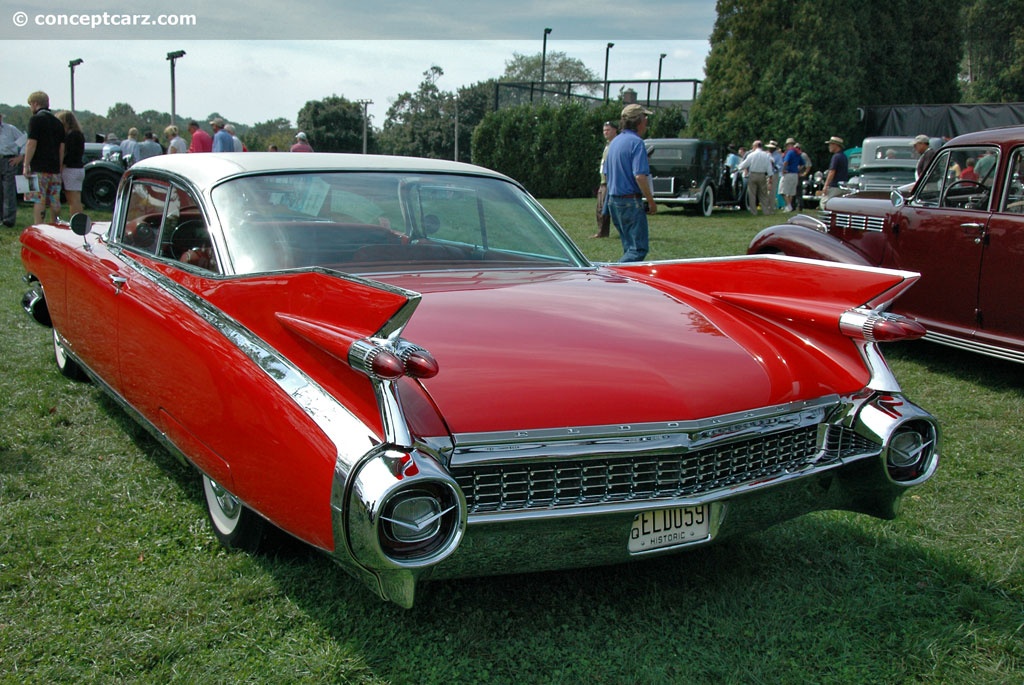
(351, 437)
(977, 347)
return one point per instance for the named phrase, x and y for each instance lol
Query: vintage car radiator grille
(854, 221)
(550, 485)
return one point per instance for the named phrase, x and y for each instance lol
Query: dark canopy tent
(944, 121)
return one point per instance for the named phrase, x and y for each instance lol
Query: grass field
(108, 572)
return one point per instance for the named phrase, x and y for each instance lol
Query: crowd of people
(50, 156)
(772, 179)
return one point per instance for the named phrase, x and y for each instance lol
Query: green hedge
(555, 149)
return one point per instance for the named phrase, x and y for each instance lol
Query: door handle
(118, 281)
(974, 229)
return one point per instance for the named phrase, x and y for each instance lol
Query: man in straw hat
(838, 169)
(630, 198)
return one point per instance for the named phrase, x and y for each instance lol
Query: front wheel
(707, 200)
(234, 525)
(67, 366)
(100, 188)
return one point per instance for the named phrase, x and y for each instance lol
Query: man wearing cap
(922, 146)
(759, 167)
(222, 140)
(301, 143)
(838, 169)
(629, 183)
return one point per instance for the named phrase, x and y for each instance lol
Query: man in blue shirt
(630, 199)
(791, 163)
(222, 140)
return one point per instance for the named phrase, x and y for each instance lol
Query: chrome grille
(551, 485)
(856, 222)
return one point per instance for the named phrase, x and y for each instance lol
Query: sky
(261, 60)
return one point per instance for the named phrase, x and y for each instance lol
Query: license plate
(669, 527)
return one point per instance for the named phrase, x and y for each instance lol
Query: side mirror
(81, 224)
(897, 199)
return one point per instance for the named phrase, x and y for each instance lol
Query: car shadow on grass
(831, 591)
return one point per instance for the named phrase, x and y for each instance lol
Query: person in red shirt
(301, 143)
(969, 174)
(201, 140)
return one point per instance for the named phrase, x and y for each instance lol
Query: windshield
(385, 221)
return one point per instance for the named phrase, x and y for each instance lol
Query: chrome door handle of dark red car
(975, 229)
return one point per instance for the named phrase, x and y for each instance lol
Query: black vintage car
(692, 173)
(102, 176)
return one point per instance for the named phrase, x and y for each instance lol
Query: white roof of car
(206, 169)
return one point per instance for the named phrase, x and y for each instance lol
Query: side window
(930, 188)
(144, 216)
(1013, 198)
(185, 236)
(965, 188)
(960, 178)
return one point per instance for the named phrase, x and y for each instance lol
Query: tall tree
(335, 124)
(780, 68)
(558, 67)
(564, 77)
(277, 132)
(993, 68)
(422, 124)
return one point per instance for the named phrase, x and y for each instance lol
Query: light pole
(456, 156)
(172, 57)
(71, 65)
(660, 59)
(365, 104)
(606, 51)
(543, 60)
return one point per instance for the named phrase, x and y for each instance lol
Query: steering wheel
(964, 189)
(187, 235)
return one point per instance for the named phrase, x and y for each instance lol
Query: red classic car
(406, 364)
(961, 227)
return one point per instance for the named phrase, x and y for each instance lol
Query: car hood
(527, 350)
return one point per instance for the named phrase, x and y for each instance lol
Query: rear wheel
(234, 524)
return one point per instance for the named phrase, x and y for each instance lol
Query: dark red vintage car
(961, 227)
(406, 364)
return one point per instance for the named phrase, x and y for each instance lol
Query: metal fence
(650, 93)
